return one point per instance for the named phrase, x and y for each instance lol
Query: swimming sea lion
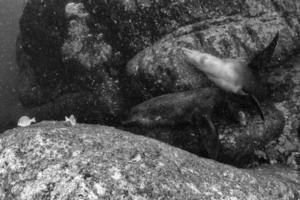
(193, 107)
(231, 75)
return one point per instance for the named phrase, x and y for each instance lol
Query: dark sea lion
(232, 75)
(193, 107)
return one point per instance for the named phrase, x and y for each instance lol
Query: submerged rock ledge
(53, 160)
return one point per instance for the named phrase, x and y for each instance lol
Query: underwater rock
(285, 84)
(139, 24)
(60, 56)
(162, 67)
(51, 160)
(90, 50)
(239, 143)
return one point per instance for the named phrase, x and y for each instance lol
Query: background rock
(54, 160)
(286, 86)
(64, 58)
(88, 50)
(239, 34)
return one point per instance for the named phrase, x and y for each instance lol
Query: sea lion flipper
(211, 126)
(211, 142)
(208, 138)
(258, 106)
(256, 103)
(263, 57)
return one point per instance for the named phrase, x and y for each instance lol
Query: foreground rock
(52, 160)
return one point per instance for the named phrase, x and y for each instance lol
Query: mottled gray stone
(53, 160)
(285, 81)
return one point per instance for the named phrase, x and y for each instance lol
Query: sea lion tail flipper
(209, 139)
(263, 57)
(258, 107)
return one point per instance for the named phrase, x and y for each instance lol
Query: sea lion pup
(193, 107)
(232, 75)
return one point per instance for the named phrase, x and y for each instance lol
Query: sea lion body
(175, 108)
(232, 75)
(228, 74)
(194, 107)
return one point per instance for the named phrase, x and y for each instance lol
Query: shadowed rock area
(53, 160)
(285, 81)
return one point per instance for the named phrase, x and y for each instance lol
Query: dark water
(10, 12)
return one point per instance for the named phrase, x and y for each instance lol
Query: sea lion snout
(192, 56)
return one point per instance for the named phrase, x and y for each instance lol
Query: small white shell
(71, 120)
(25, 121)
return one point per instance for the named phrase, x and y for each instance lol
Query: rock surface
(285, 81)
(60, 61)
(53, 160)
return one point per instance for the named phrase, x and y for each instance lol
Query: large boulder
(240, 32)
(54, 160)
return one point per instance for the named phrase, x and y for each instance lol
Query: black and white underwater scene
(150, 100)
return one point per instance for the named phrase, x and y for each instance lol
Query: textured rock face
(285, 81)
(60, 57)
(53, 160)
